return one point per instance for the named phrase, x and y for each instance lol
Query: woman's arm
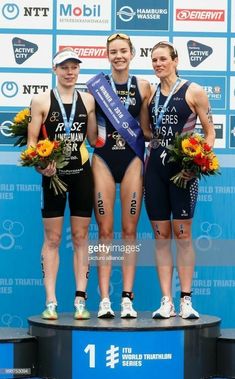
(199, 102)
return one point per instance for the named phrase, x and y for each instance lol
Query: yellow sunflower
(44, 148)
(22, 116)
(190, 149)
(214, 164)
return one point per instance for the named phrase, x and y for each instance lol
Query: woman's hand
(187, 174)
(50, 170)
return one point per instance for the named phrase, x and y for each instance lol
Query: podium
(126, 348)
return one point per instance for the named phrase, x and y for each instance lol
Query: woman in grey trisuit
(173, 108)
(113, 162)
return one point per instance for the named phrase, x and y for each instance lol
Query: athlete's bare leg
(79, 229)
(164, 260)
(50, 255)
(131, 198)
(105, 191)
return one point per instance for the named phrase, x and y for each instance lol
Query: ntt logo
(126, 14)
(10, 11)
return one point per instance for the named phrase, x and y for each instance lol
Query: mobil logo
(83, 10)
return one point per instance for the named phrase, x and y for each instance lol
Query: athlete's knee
(52, 240)
(129, 232)
(80, 237)
(161, 233)
(182, 232)
(105, 232)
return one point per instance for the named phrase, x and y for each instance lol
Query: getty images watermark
(208, 251)
(117, 251)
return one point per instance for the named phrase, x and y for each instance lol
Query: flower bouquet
(20, 126)
(41, 155)
(193, 154)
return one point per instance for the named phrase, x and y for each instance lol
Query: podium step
(18, 354)
(127, 349)
(226, 353)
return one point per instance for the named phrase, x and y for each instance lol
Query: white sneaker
(105, 310)
(127, 310)
(186, 309)
(166, 309)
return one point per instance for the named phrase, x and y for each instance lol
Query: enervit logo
(10, 11)
(126, 13)
(88, 51)
(9, 89)
(200, 15)
(23, 49)
(84, 11)
(198, 52)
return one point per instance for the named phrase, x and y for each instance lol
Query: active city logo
(198, 52)
(200, 15)
(23, 49)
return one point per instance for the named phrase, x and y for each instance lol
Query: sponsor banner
(92, 51)
(139, 15)
(18, 14)
(215, 87)
(220, 130)
(232, 16)
(143, 46)
(232, 63)
(84, 15)
(232, 92)
(5, 134)
(206, 16)
(232, 132)
(128, 354)
(17, 90)
(23, 50)
(201, 53)
(82, 80)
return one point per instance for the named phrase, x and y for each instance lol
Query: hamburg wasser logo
(126, 13)
(198, 52)
(23, 49)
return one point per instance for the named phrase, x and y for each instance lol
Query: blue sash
(117, 114)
